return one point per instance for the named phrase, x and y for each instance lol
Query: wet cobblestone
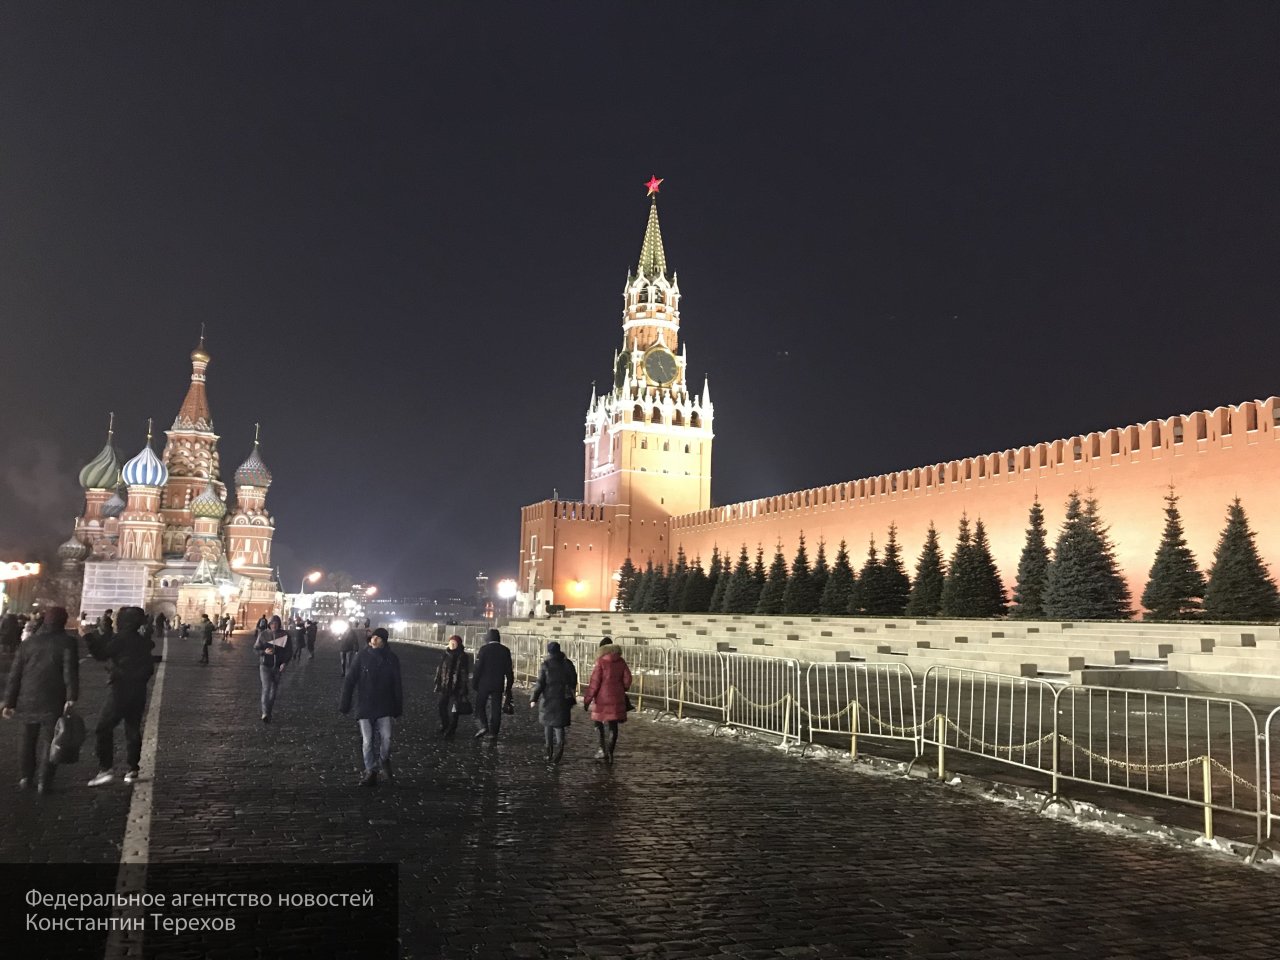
(690, 846)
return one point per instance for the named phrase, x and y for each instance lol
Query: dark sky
(904, 232)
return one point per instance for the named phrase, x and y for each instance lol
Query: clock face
(660, 365)
(620, 371)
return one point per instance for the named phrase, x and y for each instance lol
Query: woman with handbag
(606, 695)
(453, 678)
(557, 688)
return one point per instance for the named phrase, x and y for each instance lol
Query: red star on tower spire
(653, 184)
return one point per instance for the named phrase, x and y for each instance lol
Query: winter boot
(559, 752)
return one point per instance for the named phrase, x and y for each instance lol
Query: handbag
(68, 738)
(462, 706)
(630, 706)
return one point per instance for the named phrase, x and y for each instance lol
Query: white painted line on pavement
(137, 832)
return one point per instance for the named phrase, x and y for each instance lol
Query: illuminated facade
(157, 531)
(648, 473)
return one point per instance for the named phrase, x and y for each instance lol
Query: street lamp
(370, 591)
(312, 577)
(507, 592)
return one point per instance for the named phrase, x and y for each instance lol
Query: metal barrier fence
(762, 693)
(1269, 778)
(696, 679)
(861, 699)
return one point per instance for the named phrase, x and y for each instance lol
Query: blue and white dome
(145, 470)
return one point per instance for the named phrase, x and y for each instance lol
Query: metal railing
(763, 694)
(861, 699)
(1269, 778)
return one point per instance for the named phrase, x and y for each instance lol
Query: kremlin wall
(647, 479)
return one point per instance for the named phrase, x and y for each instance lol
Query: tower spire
(653, 260)
(111, 426)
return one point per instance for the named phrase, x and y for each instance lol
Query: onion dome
(208, 504)
(253, 472)
(100, 473)
(145, 470)
(114, 506)
(73, 549)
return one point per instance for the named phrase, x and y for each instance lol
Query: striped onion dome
(208, 504)
(114, 506)
(73, 549)
(145, 470)
(100, 473)
(253, 472)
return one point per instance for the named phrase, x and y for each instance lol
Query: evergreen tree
(991, 596)
(640, 594)
(1033, 569)
(678, 576)
(659, 590)
(713, 578)
(894, 583)
(1084, 581)
(697, 589)
(821, 570)
(1176, 586)
(742, 593)
(758, 575)
(775, 586)
(1240, 587)
(627, 577)
(963, 584)
(838, 593)
(926, 591)
(722, 583)
(869, 587)
(800, 595)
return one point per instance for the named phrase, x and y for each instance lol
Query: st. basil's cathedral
(159, 531)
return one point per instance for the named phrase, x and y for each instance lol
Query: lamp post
(507, 592)
(312, 577)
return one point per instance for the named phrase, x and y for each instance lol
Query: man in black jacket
(206, 636)
(491, 678)
(375, 678)
(130, 667)
(44, 683)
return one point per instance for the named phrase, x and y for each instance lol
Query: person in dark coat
(452, 678)
(44, 683)
(491, 679)
(606, 695)
(349, 646)
(312, 629)
(375, 679)
(557, 688)
(10, 633)
(274, 652)
(106, 627)
(130, 667)
(206, 636)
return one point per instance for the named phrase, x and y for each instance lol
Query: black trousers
(33, 751)
(126, 705)
(613, 733)
(489, 711)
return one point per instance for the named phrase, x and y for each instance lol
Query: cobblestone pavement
(688, 847)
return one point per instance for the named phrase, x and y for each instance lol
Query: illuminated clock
(660, 365)
(620, 371)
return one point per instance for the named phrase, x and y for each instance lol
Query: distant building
(159, 531)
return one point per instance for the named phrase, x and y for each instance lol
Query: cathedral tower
(648, 439)
(191, 456)
(249, 528)
(141, 529)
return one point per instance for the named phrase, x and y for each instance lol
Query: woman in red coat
(606, 695)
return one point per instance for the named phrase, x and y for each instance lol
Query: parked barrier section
(861, 700)
(763, 693)
(697, 683)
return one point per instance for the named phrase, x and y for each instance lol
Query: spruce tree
(775, 586)
(722, 583)
(991, 596)
(800, 595)
(838, 593)
(640, 595)
(758, 575)
(741, 593)
(1033, 569)
(1240, 587)
(821, 570)
(1175, 586)
(627, 576)
(894, 582)
(926, 591)
(678, 576)
(869, 587)
(713, 578)
(963, 585)
(659, 590)
(697, 589)
(1084, 581)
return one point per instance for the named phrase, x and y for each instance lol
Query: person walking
(557, 688)
(452, 678)
(491, 679)
(312, 629)
(10, 634)
(206, 636)
(162, 626)
(375, 680)
(106, 626)
(274, 652)
(349, 646)
(43, 684)
(130, 667)
(606, 696)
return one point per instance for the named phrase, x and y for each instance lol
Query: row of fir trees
(1079, 579)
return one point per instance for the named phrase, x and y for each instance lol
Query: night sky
(905, 233)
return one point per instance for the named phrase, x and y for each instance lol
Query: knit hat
(458, 638)
(493, 636)
(382, 632)
(553, 646)
(605, 642)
